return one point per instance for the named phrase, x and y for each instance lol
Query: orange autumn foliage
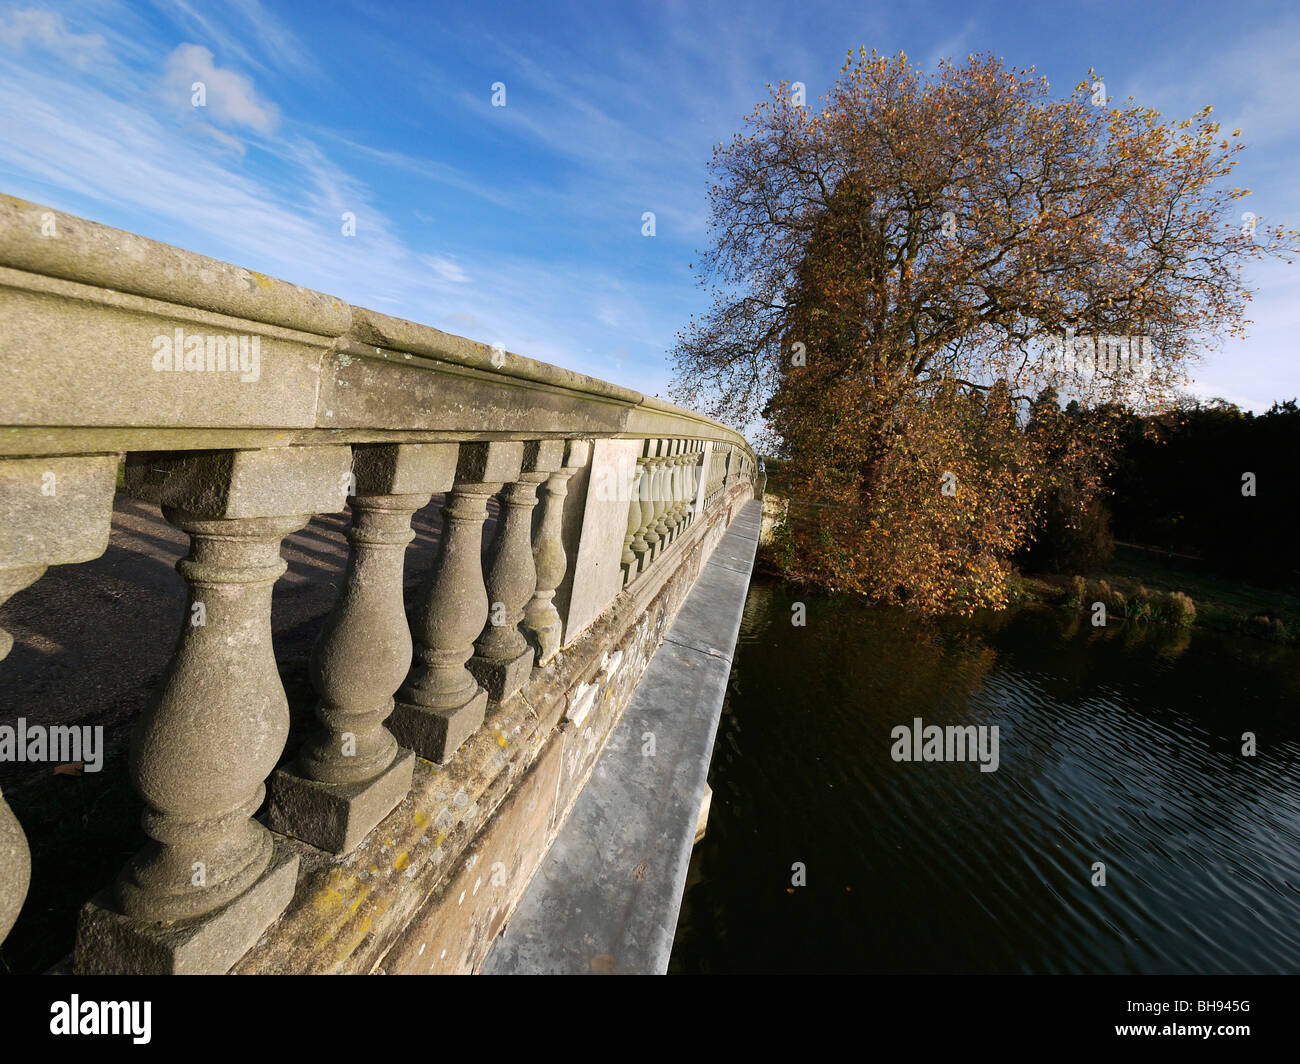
(886, 269)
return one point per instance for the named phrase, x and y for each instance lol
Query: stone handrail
(244, 406)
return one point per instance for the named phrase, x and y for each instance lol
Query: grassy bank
(1146, 588)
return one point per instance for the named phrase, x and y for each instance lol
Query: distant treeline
(1213, 482)
(1178, 482)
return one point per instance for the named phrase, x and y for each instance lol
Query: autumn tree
(890, 270)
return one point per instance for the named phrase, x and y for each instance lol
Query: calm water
(1118, 745)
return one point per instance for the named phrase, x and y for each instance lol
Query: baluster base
(109, 943)
(434, 733)
(544, 636)
(502, 677)
(336, 817)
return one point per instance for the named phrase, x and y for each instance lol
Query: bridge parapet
(243, 406)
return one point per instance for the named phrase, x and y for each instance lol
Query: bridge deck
(607, 896)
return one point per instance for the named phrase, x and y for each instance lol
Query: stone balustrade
(243, 407)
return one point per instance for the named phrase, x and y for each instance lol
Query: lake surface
(1120, 745)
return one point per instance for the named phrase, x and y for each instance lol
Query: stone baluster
(672, 488)
(649, 506)
(679, 489)
(661, 497)
(212, 878)
(692, 480)
(351, 773)
(542, 624)
(441, 703)
(693, 491)
(53, 511)
(642, 513)
(503, 658)
(629, 560)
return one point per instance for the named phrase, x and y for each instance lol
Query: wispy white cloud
(46, 31)
(243, 31)
(447, 270)
(191, 78)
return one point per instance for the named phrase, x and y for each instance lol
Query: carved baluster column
(642, 514)
(53, 511)
(669, 492)
(629, 560)
(661, 497)
(692, 480)
(542, 622)
(679, 487)
(212, 878)
(441, 703)
(503, 658)
(351, 773)
(649, 505)
(701, 456)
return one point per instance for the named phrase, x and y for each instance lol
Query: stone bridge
(163, 407)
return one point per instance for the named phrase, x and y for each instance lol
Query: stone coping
(75, 294)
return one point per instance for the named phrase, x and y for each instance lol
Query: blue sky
(522, 224)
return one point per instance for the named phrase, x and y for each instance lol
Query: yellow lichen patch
(501, 740)
(403, 859)
(421, 818)
(261, 279)
(359, 930)
(331, 898)
(355, 939)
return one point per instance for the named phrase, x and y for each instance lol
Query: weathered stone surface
(437, 732)
(54, 359)
(350, 912)
(109, 943)
(55, 511)
(423, 469)
(542, 623)
(252, 484)
(775, 512)
(337, 816)
(349, 773)
(604, 524)
(503, 657)
(702, 823)
(575, 507)
(441, 703)
(613, 907)
(217, 724)
(328, 372)
(43, 241)
(240, 473)
(502, 677)
(456, 929)
(490, 463)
